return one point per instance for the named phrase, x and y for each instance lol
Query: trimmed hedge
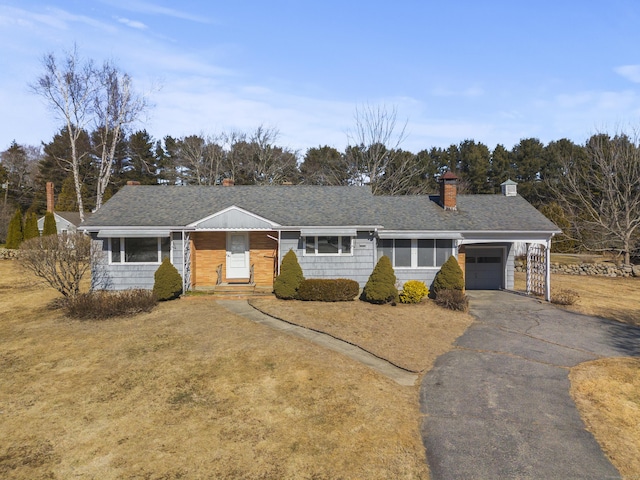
(328, 290)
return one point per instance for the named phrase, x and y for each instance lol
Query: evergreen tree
(49, 227)
(31, 226)
(15, 236)
(450, 277)
(167, 281)
(287, 283)
(381, 285)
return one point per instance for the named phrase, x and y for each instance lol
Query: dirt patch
(607, 393)
(409, 336)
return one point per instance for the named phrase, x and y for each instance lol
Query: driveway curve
(498, 405)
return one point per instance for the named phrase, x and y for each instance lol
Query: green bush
(15, 235)
(49, 227)
(328, 290)
(288, 282)
(99, 305)
(31, 226)
(413, 291)
(450, 277)
(381, 286)
(168, 282)
(452, 299)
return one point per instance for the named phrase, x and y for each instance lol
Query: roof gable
(233, 218)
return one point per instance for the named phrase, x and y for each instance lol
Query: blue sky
(492, 71)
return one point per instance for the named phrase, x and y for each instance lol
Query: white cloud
(630, 72)
(132, 23)
(152, 9)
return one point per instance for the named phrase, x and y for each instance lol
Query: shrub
(288, 282)
(31, 226)
(565, 297)
(413, 291)
(381, 286)
(49, 227)
(452, 299)
(99, 305)
(449, 277)
(167, 281)
(328, 290)
(15, 235)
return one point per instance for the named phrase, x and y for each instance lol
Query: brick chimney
(133, 182)
(448, 191)
(228, 182)
(50, 197)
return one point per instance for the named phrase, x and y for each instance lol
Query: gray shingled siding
(127, 276)
(357, 266)
(425, 275)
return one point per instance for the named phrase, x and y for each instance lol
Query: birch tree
(69, 87)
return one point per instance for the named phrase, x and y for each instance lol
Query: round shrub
(450, 276)
(453, 300)
(381, 286)
(288, 282)
(168, 282)
(413, 291)
(328, 290)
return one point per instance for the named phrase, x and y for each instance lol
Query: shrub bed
(101, 304)
(452, 299)
(328, 290)
(565, 297)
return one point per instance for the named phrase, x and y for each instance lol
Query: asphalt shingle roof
(305, 205)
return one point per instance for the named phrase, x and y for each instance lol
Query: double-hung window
(139, 249)
(415, 253)
(327, 245)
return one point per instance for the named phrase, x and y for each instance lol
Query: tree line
(589, 190)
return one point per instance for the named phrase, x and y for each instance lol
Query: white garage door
(483, 268)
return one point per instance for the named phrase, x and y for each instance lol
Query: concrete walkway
(498, 406)
(242, 308)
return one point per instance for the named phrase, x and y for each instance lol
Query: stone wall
(6, 253)
(598, 269)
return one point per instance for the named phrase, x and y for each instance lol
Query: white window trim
(122, 254)
(316, 254)
(414, 253)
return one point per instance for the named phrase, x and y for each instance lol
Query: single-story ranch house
(237, 235)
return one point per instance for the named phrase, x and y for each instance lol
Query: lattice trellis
(536, 269)
(186, 267)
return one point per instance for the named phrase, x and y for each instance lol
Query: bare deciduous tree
(203, 158)
(116, 105)
(69, 87)
(60, 260)
(603, 193)
(374, 154)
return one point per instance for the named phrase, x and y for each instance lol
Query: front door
(238, 255)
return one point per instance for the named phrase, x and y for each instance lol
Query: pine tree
(31, 226)
(287, 283)
(50, 227)
(15, 234)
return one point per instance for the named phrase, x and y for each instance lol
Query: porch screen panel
(443, 251)
(385, 247)
(426, 255)
(403, 253)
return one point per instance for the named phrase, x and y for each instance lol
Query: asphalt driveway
(498, 405)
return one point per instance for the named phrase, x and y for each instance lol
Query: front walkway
(400, 376)
(498, 405)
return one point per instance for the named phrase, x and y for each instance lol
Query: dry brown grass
(607, 393)
(189, 391)
(410, 336)
(613, 298)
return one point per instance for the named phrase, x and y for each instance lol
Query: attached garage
(484, 268)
